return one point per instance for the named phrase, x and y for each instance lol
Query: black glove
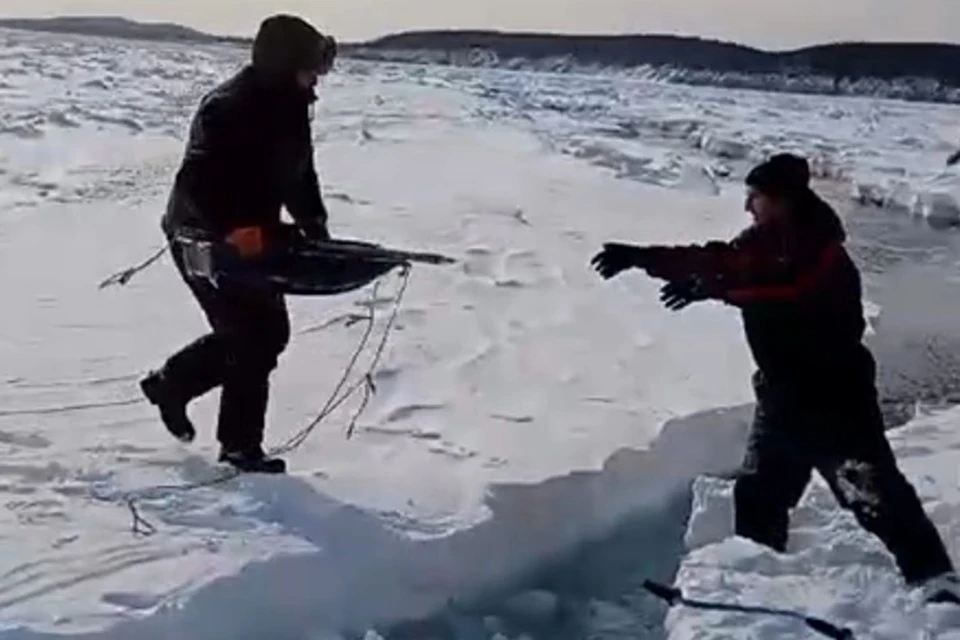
(678, 295)
(953, 159)
(616, 257)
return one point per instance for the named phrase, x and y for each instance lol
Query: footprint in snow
(495, 463)
(411, 317)
(450, 450)
(386, 381)
(479, 263)
(63, 541)
(50, 472)
(28, 440)
(406, 411)
(17, 490)
(131, 600)
(416, 434)
(521, 269)
(517, 418)
(72, 491)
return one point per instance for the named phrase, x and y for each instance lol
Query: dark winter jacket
(249, 153)
(799, 293)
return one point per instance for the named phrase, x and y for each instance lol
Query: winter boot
(253, 461)
(173, 409)
(942, 589)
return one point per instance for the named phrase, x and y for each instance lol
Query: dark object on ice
(673, 596)
(294, 265)
(800, 295)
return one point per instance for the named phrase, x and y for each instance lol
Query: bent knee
(259, 354)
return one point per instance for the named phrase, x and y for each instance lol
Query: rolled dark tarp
(298, 268)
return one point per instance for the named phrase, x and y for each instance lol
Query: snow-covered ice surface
(892, 152)
(516, 365)
(524, 408)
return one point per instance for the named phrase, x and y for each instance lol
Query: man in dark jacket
(249, 153)
(817, 408)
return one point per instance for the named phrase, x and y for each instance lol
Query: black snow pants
(843, 439)
(250, 329)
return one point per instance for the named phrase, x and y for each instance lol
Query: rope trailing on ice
(123, 277)
(674, 596)
(141, 527)
(69, 408)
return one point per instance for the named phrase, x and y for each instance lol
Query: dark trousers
(843, 439)
(250, 329)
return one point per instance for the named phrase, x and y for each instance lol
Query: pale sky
(764, 23)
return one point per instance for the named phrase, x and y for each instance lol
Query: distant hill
(855, 59)
(117, 27)
(913, 71)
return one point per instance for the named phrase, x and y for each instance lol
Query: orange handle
(248, 241)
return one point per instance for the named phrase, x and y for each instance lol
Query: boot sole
(268, 472)
(278, 468)
(943, 598)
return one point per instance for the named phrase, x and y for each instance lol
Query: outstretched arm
(748, 269)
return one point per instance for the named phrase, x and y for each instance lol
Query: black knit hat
(782, 175)
(286, 44)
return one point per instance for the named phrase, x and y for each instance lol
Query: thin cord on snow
(142, 527)
(672, 596)
(69, 408)
(123, 277)
(366, 382)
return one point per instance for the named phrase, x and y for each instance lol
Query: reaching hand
(679, 295)
(614, 258)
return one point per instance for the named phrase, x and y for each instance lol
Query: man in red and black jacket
(799, 294)
(248, 155)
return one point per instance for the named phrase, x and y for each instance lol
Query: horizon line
(504, 32)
